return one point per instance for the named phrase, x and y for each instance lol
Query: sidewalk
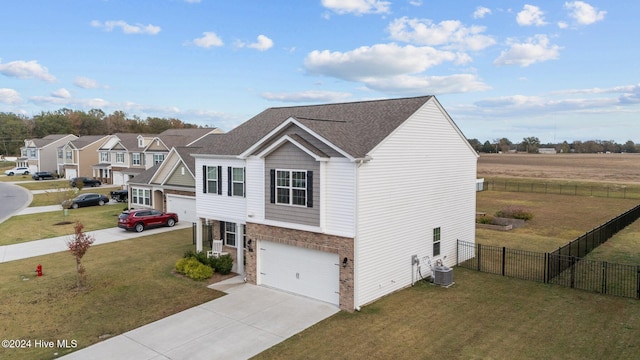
(52, 245)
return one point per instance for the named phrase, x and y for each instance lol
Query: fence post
(604, 277)
(457, 251)
(545, 274)
(573, 272)
(504, 251)
(193, 232)
(638, 283)
(479, 252)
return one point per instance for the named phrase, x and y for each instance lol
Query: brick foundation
(343, 246)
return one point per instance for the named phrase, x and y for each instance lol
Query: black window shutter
(219, 180)
(272, 185)
(222, 230)
(229, 182)
(244, 182)
(204, 179)
(310, 189)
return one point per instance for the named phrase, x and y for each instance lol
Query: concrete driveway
(239, 325)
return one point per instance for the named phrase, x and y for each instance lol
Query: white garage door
(312, 273)
(118, 178)
(185, 207)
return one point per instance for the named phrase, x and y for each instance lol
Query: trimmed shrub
(515, 212)
(484, 220)
(222, 264)
(193, 268)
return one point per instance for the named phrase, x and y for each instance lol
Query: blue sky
(557, 70)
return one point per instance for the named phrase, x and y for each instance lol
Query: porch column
(239, 249)
(199, 235)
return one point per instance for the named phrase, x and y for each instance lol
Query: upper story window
(32, 153)
(158, 158)
(135, 158)
(212, 179)
(236, 181)
(436, 241)
(120, 158)
(69, 155)
(24, 153)
(60, 154)
(140, 142)
(104, 157)
(292, 187)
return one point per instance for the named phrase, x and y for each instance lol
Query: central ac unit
(442, 275)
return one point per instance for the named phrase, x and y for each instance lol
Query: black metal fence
(609, 191)
(565, 266)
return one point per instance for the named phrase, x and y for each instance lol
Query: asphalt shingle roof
(355, 127)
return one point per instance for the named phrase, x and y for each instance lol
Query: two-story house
(121, 157)
(42, 154)
(340, 202)
(76, 157)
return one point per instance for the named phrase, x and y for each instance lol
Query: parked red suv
(141, 219)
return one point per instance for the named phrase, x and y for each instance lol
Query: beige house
(76, 157)
(42, 154)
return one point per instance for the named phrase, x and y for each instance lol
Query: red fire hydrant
(39, 270)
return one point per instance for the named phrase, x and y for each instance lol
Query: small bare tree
(79, 245)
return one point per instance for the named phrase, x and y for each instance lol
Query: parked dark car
(88, 199)
(42, 175)
(141, 219)
(86, 181)
(120, 195)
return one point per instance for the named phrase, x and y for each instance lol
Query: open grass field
(602, 168)
(130, 283)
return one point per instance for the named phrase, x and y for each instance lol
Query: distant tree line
(14, 128)
(533, 145)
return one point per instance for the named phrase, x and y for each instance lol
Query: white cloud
(535, 49)
(357, 7)
(379, 60)
(262, 44)
(530, 15)
(61, 93)
(393, 68)
(110, 25)
(415, 2)
(26, 70)
(562, 25)
(583, 13)
(87, 83)
(192, 1)
(307, 96)
(449, 34)
(432, 85)
(481, 12)
(208, 40)
(9, 96)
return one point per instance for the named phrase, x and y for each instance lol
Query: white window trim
(234, 182)
(227, 232)
(135, 159)
(156, 156)
(291, 188)
(141, 196)
(212, 189)
(104, 157)
(119, 158)
(438, 241)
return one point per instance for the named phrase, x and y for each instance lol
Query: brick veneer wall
(343, 246)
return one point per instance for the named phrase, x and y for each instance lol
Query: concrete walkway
(246, 321)
(239, 325)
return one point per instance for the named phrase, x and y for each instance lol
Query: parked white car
(17, 171)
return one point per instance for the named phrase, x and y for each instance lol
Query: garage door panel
(183, 206)
(307, 272)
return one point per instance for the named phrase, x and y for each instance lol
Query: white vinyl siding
(224, 208)
(430, 154)
(339, 204)
(255, 189)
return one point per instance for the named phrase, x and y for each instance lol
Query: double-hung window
(59, 154)
(135, 158)
(230, 234)
(69, 155)
(120, 158)
(436, 241)
(141, 196)
(158, 158)
(236, 182)
(291, 187)
(212, 179)
(104, 157)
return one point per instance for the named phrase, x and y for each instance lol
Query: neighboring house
(159, 146)
(42, 154)
(121, 157)
(76, 157)
(334, 201)
(167, 186)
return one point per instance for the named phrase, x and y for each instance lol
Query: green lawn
(131, 283)
(51, 224)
